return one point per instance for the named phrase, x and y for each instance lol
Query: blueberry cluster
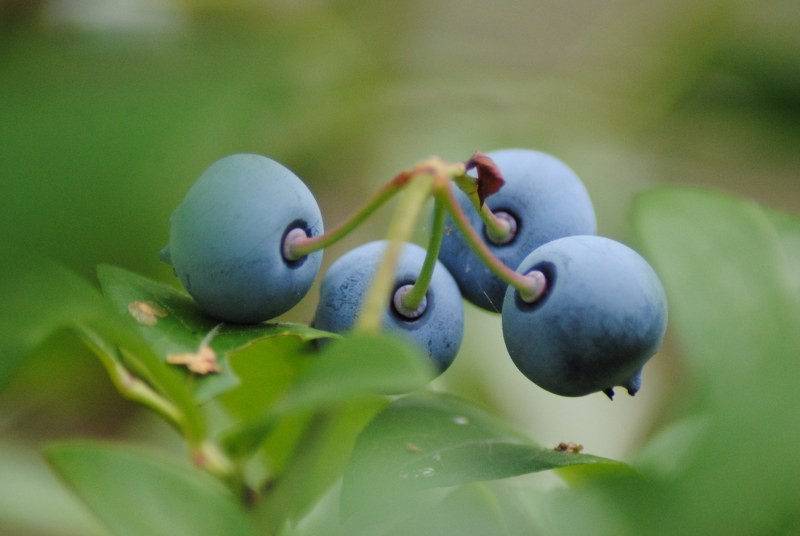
(246, 243)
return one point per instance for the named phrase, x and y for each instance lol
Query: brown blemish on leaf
(146, 312)
(203, 361)
(569, 446)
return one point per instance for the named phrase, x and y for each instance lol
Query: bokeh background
(109, 110)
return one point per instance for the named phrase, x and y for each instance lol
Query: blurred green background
(109, 110)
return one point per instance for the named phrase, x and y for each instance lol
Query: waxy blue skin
(440, 329)
(548, 200)
(226, 239)
(602, 318)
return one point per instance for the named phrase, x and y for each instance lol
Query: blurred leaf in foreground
(355, 367)
(134, 493)
(33, 501)
(40, 297)
(729, 266)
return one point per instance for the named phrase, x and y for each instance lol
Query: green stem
(400, 229)
(128, 385)
(530, 288)
(303, 246)
(498, 229)
(208, 455)
(413, 299)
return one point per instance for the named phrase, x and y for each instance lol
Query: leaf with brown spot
(184, 328)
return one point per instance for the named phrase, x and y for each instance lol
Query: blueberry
(227, 238)
(437, 326)
(544, 199)
(601, 319)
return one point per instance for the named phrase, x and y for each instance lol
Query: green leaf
(303, 454)
(171, 322)
(347, 369)
(317, 461)
(267, 370)
(667, 452)
(496, 508)
(787, 227)
(134, 493)
(730, 282)
(40, 297)
(359, 365)
(33, 501)
(475, 509)
(435, 440)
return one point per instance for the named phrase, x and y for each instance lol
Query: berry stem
(414, 298)
(498, 229)
(209, 456)
(401, 227)
(305, 245)
(530, 288)
(130, 386)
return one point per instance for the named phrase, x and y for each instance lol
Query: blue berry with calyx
(436, 326)
(229, 239)
(542, 200)
(602, 317)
